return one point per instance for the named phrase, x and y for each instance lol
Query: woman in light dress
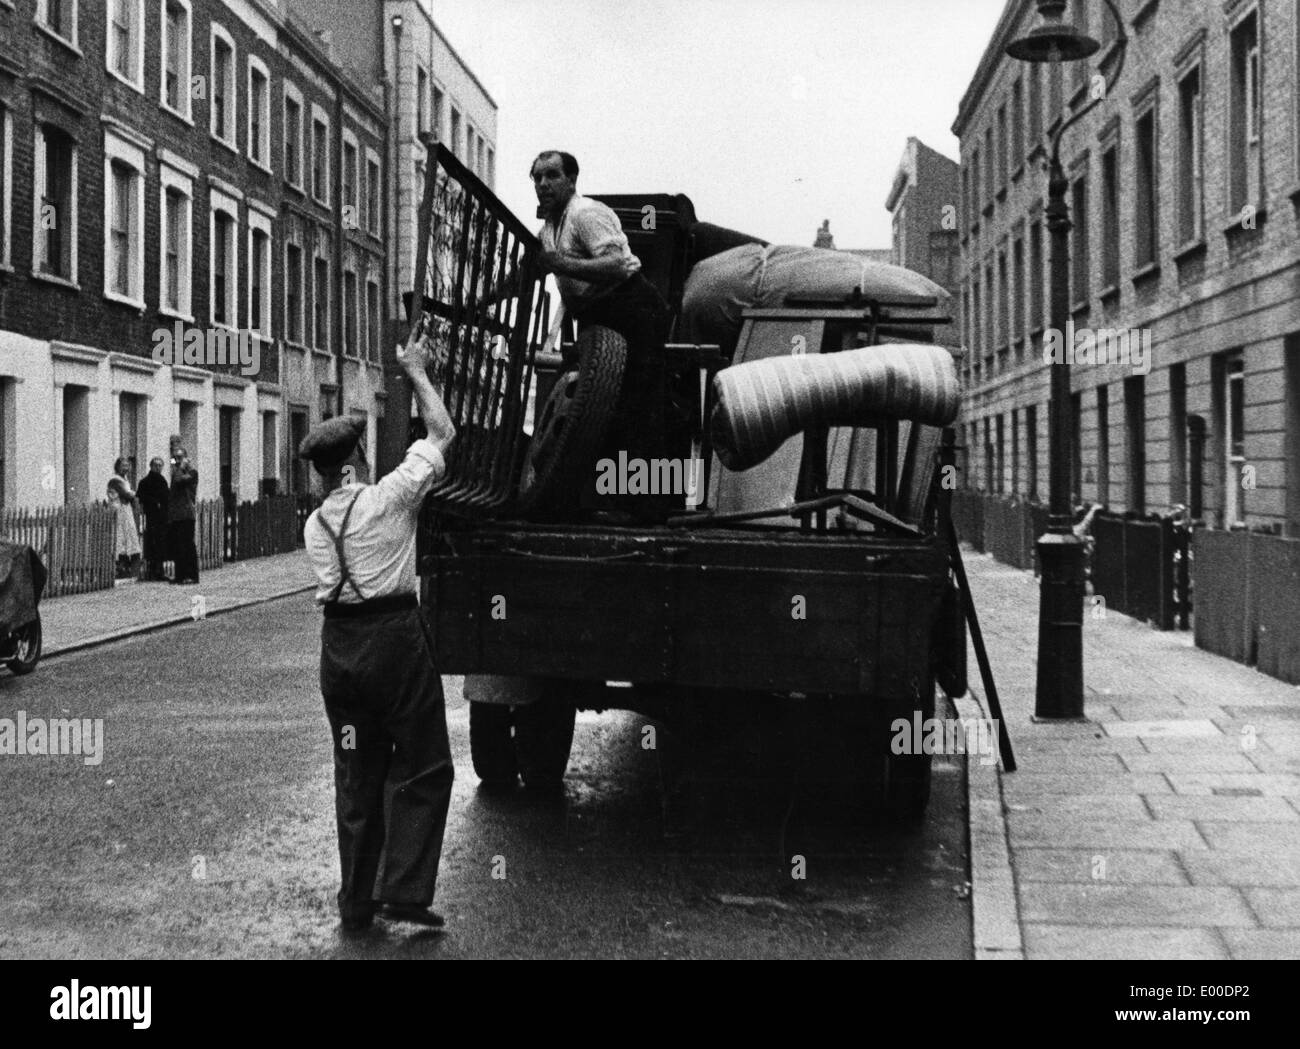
(121, 496)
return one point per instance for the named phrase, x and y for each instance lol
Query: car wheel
(906, 780)
(544, 738)
(27, 648)
(491, 744)
(573, 422)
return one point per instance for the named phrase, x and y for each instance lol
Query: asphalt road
(207, 831)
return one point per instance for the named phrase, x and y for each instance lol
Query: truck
(822, 579)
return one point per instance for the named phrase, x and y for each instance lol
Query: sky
(771, 115)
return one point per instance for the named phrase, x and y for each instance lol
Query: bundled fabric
(763, 403)
(22, 579)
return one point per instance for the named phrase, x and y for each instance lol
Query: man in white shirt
(382, 691)
(601, 283)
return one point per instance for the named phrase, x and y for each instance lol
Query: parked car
(22, 581)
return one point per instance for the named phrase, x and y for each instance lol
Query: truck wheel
(907, 776)
(27, 648)
(491, 746)
(543, 739)
(573, 422)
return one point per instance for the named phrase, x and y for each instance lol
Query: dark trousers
(155, 545)
(637, 311)
(180, 542)
(383, 697)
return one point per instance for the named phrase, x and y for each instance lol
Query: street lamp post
(1059, 692)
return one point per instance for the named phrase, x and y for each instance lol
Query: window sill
(4, 266)
(125, 300)
(295, 186)
(1193, 248)
(1033, 335)
(224, 142)
(176, 315)
(292, 344)
(71, 45)
(53, 278)
(1109, 294)
(323, 203)
(1146, 273)
(1019, 171)
(1002, 193)
(1233, 225)
(136, 87)
(260, 166)
(1079, 307)
(184, 118)
(1039, 150)
(325, 354)
(1145, 12)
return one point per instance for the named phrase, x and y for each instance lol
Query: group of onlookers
(166, 514)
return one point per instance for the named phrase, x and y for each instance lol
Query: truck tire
(27, 648)
(907, 776)
(543, 739)
(491, 745)
(572, 424)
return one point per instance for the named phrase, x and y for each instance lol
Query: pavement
(1164, 826)
(78, 621)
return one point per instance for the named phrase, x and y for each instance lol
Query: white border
(258, 222)
(184, 87)
(216, 32)
(319, 114)
(124, 152)
(137, 37)
(218, 201)
(255, 63)
(171, 178)
(38, 184)
(291, 92)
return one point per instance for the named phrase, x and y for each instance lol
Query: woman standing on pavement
(121, 497)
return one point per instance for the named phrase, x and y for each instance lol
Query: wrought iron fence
(485, 313)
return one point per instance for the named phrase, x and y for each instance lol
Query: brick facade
(1209, 298)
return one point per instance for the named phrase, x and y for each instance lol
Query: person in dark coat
(181, 498)
(152, 493)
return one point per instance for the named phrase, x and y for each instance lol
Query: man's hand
(416, 354)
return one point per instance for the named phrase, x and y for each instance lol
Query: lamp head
(1055, 40)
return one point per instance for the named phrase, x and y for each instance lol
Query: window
(59, 17)
(482, 161)
(1004, 157)
(292, 136)
(55, 252)
(350, 308)
(1015, 452)
(1228, 374)
(1081, 285)
(259, 113)
(1004, 303)
(173, 247)
(965, 192)
(1035, 275)
(352, 217)
(990, 167)
(1245, 116)
(6, 188)
(454, 144)
(1291, 428)
(1191, 212)
(321, 291)
(123, 222)
(999, 466)
(1110, 217)
(320, 155)
(1146, 218)
(977, 201)
(224, 278)
(1017, 124)
(1017, 291)
(1103, 445)
(944, 257)
(990, 310)
(1031, 452)
(1178, 434)
(221, 87)
(176, 56)
(372, 319)
(1135, 435)
(421, 101)
(293, 293)
(1035, 106)
(259, 273)
(125, 58)
(374, 192)
(437, 113)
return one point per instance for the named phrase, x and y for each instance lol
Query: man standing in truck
(601, 284)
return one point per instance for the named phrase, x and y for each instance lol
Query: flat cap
(332, 441)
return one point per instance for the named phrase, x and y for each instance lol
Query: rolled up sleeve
(405, 487)
(599, 230)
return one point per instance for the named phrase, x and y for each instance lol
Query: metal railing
(486, 314)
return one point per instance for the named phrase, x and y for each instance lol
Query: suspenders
(345, 574)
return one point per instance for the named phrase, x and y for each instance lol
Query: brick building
(427, 87)
(1184, 190)
(923, 201)
(173, 167)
